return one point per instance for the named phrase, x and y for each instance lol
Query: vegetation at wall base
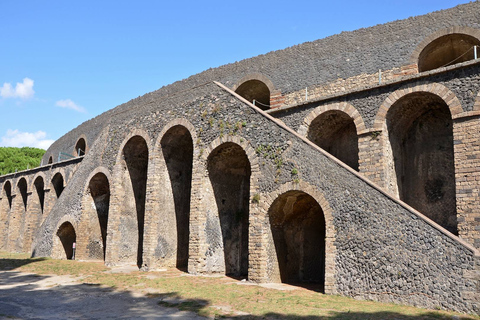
(18, 159)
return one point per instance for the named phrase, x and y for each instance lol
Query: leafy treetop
(12, 159)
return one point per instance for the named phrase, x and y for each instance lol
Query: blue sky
(64, 62)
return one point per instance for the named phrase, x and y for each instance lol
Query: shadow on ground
(351, 316)
(11, 263)
(30, 296)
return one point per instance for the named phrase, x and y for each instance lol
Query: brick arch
(249, 151)
(440, 33)
(56, 251)
(75, 151)
(54, 172)
(208, 203)
(254, 87)
(19, 179)
(133, 251)
(267, 200)
(50, 156)
(12, 188)
(31, 185)
(100, 169)
(435, 88)
(344, 107)
(93, 223)
(67, 218)
(170, 203)
(255, 76)
(133, 133)
(6, 206)
(177, 122)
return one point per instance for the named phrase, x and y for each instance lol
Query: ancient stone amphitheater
(352, 162)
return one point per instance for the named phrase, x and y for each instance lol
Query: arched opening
(100, 192)
(22, 188)
(297, 223)
(5, 212)
(335, 132)
(255, 90)
(66, 234)
(177, 148)
(50, 160)
(447, 50)
(229, 172)
(40, 189)
(58, 185)
(80, 147)
(420, 130)
(7, 188)
(135, 155)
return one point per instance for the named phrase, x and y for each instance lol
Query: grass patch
(223, 296)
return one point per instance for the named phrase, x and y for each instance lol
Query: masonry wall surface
(408, 261)
(376, 247)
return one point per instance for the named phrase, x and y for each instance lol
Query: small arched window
(256, 92)
(448, 50)
(80, 147)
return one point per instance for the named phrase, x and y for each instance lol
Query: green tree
(12, 159)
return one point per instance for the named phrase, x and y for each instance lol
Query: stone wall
(375, 247)
(29, 201)
(458, 87)
(193, 176)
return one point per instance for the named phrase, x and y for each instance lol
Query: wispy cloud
(16, 138)
(22, 90)
(69, 104)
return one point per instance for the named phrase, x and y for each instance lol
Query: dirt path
(30, 296)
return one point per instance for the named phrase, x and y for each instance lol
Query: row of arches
(441, 49)
(23, 208)
(415, 132)
(143, 211)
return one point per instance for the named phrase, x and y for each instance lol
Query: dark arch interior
(255, 90)
(67, 236)
(40, 188)
(298, 229)
(229, 172)
(100, 192)
(22, 187)
(335, 132)
(177, 148)
(80, 147)
(57, 182)
(50, 160)
(447, 50)
(135, 154)
(421, 136)
(8, 192)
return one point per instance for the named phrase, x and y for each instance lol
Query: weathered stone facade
(194, 176)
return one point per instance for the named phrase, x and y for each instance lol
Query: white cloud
(15, 138)
(22, 90)
(69, 104)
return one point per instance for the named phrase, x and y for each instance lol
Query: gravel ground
(30, 296)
